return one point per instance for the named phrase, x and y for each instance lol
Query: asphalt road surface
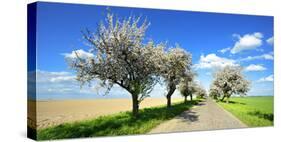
(207, 115)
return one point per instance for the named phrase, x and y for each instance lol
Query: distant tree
(187, 86)
(215, 92)
(176, 63)
(200, 92)
(229, 81)
(121, 57)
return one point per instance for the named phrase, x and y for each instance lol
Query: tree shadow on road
(200, 103)
(189, 116)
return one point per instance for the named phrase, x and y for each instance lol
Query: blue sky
(215, 40)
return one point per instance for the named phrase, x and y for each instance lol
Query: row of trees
(121, 56)
(188, 87)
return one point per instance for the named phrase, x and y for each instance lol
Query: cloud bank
(270, 40)
(212, 61)
(267, 56)
(254, 67)
(269, 78)
(247, 42)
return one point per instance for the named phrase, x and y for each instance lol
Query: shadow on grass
(267, 116)
(233, 102)
(119, 124)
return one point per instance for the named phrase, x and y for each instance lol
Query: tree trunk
(227, 99)
(223, 97)
(135, 108)
(169, 101)
(216, 97)
(169, 95)
(191, 97)
(185, 99)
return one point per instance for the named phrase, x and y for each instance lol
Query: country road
(206, 115)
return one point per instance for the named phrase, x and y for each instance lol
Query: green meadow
(253, 111)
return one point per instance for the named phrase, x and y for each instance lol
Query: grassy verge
(253, 111)
(117, 124)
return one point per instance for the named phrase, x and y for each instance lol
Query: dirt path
(206, 115)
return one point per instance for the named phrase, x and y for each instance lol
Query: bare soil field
(50, 113)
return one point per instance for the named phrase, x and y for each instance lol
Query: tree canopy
(177, 63)
(200, 92)
(187, 85)
(120, 56)
(229, 81)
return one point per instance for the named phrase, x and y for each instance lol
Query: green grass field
(253, 111)
(118, 124)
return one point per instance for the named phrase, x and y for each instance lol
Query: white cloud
(253, 67)
(225, 50)
(268, 56)
(208, 73)
(62, 78)
(80, 53)
(212, 61)
(266, 79)
(270, 40)
(247, 42)
(56, 83)
(51, 77)
(60, 84)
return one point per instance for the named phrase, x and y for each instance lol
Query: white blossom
(177, 62)
(229, 81)
(121, 57)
